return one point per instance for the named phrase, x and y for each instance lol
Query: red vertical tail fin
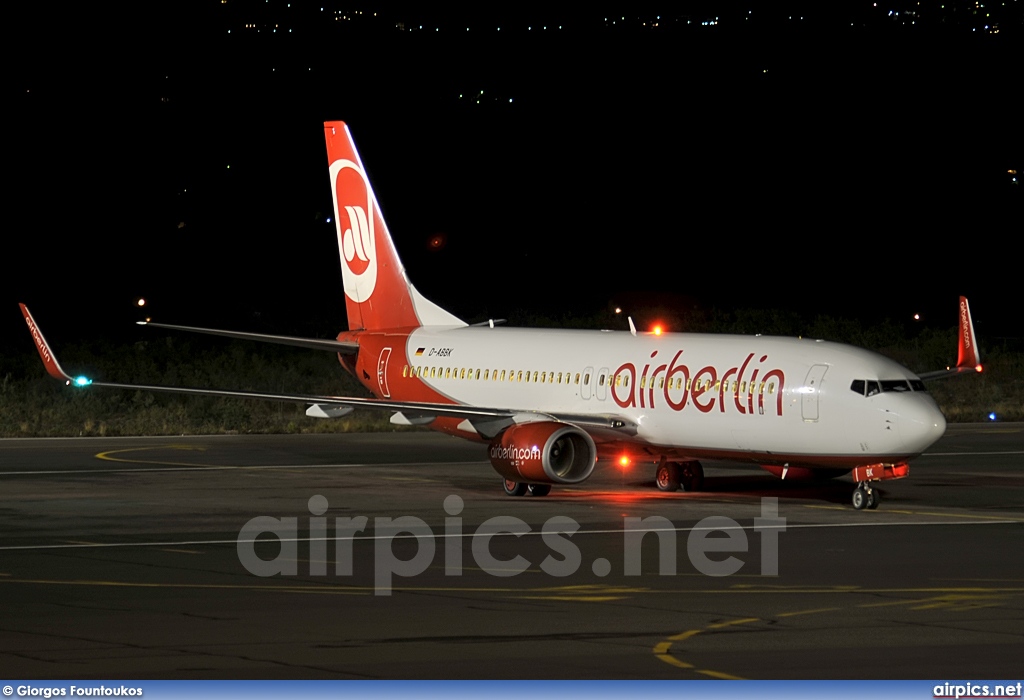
(378, 295)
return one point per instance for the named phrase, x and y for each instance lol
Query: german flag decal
(419, 351)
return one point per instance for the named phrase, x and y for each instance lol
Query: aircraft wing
(313, 343)
(485, 420)
(968, 355)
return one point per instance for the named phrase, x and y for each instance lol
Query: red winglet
(968, 357)
(52, 366)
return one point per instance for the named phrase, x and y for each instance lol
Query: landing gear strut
(864, 496)
(673, 475)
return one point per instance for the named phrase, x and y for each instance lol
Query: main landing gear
(517, 488)
(671, 476)
(865, 496)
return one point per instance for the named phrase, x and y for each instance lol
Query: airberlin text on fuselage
(736, 389)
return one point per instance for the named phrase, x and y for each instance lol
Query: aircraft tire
(667, 477)
(514, 488)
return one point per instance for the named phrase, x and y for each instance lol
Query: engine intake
(545, 452)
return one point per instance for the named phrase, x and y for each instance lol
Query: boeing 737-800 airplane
(549, 403)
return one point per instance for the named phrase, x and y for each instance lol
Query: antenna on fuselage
(632, 328)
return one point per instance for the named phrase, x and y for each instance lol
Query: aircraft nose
(921, 423)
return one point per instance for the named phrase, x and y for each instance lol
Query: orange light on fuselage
(977, 368)
(657, 329)
(623, 462)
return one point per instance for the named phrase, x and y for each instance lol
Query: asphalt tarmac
(130, 558)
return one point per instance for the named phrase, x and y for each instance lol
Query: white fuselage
(768, 399)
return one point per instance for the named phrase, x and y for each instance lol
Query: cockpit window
(870, 387)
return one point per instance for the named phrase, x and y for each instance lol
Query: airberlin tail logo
(357, 221)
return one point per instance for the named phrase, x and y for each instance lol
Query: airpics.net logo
(710, 544)
(977, 690)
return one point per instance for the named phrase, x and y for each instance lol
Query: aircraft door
(588, 376)
(810, 390)
(382, 372)
(603, 377)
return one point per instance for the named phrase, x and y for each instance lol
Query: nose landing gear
(864, 496)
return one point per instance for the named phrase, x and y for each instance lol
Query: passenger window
(486, 372)
(405, 370)
(559, 378)
(586, 379)
(502, 375)
(521, 376)
(463, 374)
(771, 388)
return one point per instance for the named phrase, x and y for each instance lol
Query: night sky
(763, 161)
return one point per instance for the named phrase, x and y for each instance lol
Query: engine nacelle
(544, 453)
